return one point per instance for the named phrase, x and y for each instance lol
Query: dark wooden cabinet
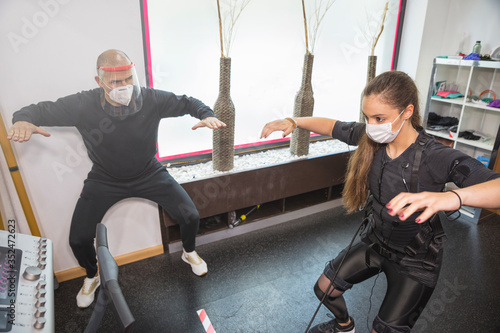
(278, 189)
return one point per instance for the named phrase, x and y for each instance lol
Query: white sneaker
(85, 296)
(198, 265)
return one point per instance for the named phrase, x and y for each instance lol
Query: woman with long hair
(397, 175)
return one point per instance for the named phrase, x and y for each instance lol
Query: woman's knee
(334, 301)
(324, 283)
(335, 289)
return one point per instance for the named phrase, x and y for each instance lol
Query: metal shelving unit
(471, 78)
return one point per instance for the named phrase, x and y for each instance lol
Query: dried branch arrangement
(231, 11)
(318, 14)
(373, 35)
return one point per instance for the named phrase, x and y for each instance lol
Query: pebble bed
(257, 160)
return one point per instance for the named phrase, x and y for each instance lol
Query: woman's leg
(404, 301)
(353, 270)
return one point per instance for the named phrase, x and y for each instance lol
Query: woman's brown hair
(393, 88)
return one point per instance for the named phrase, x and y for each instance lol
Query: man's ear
(98, 80)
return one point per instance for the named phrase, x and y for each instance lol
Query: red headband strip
(115, 69)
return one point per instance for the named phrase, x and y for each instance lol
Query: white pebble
(257, 160)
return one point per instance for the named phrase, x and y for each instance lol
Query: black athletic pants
(405, 297)
(99, 194)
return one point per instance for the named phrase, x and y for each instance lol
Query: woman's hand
(482, 195)
(405, 204)
(285, 125)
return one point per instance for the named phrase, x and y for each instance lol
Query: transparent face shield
(121, 88)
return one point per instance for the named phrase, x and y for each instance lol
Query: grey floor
(262, 282)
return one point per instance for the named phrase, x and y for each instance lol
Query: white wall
(49, 49)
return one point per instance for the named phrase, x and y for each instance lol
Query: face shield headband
(121, 85)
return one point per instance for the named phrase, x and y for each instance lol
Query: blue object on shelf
(483, 160)
(472, 56)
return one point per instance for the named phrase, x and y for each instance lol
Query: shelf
(468, 63)
(481, 106)
(459, 101)
(453, 62)
(482, 145)
(443, 135)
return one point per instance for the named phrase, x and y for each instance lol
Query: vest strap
(416, 163)
(432, 233)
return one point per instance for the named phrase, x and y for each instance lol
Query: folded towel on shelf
(495, 103)
(435, 119)
(448, 94)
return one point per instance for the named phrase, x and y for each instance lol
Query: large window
(267, 56)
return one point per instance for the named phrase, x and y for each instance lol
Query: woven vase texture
(372, 68)
(370, 75)
(223, 138)
(304, 105)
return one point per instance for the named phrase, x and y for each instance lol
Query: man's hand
(210, 122)
(21, 131)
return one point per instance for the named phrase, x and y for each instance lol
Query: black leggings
(404, 300)
(98, 195)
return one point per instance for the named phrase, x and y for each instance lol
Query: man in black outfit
(119, 125)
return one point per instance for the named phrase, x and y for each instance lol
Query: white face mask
(382, 133)
(122, 95)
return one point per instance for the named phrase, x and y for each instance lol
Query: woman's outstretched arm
(323, 126)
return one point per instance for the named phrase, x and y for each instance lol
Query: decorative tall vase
(372, 68)
(304, 105)
(223, 138)
(370, 75)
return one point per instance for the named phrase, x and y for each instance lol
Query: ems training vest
(389, 177)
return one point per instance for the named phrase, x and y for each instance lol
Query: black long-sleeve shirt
(122, 147)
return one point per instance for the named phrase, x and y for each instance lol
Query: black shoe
(333, 327)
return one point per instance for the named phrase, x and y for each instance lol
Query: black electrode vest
(431, 235)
